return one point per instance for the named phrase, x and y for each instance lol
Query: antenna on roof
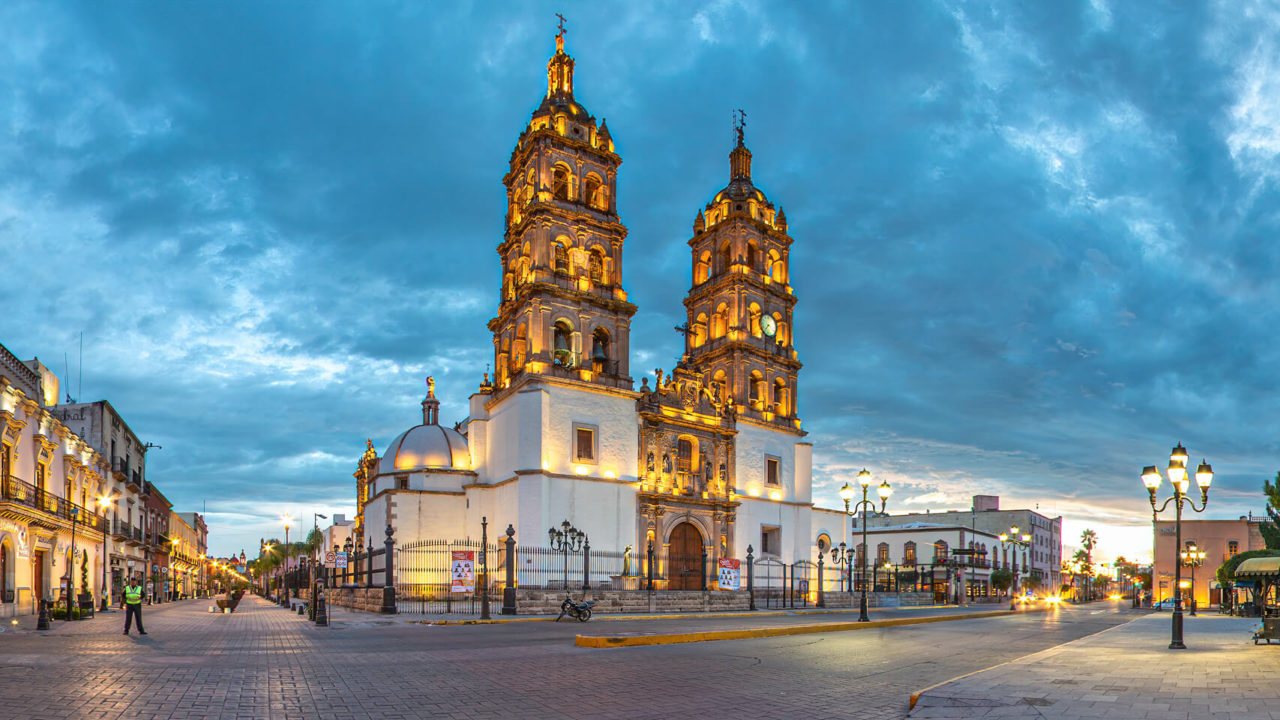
(66, 379)
(80, 389)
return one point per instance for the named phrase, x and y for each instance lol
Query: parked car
(1165, 604)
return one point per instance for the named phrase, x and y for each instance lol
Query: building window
(584, 443)
(824, 543)
(940, 551)
(402, 482)
(1233, 547)
(771, 471)
(882, 553)
(684, 455)
(770, 540)
(909, 554)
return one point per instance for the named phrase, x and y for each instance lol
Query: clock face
(768, 326)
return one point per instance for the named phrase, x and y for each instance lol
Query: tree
(1226, 573)
(1088, 540)
(1001, 579)
(1031, 583)
(84, 572)
(1271, 530)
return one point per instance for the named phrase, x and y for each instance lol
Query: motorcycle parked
(579, 610)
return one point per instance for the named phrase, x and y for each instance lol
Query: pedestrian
(133, 606)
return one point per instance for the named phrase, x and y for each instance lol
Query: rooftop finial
(560, 35)
(739, 123)
(431, 386)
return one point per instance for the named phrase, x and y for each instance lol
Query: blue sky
(1033, 245)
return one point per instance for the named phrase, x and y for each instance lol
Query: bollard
(509, 587)
(42, 622)
(322, 609)
(751, 587)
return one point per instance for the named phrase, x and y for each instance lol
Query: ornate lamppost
(1177, 473)
(843, 556)
(1014, 539)
(1192, 557)
(847, 493)
(568, 539)
(104, 502)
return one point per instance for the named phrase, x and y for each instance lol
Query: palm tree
(1089, 539)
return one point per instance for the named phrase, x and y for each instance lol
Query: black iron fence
(425, 581)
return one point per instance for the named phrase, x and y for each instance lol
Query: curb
(601, 618)
(607, 641)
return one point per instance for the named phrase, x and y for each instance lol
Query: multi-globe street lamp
(568, 539)
(1177, 473)
(847, 493)
(843, 556)
(1014, 539)
(1192, 557)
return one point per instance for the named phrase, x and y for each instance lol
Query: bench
(1270, 630)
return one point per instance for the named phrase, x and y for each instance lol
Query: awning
(1259, 567)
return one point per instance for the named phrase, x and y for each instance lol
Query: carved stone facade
(687, 431)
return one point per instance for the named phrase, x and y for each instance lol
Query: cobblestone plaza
(265, 662)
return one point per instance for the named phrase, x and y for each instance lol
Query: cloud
(1032, 244)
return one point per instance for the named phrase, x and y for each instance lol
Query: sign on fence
(464, 571)
(340, 560)
(730, 574)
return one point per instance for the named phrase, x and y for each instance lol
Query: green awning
(1259, 567)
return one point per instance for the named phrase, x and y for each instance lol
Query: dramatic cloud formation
(1033, 244)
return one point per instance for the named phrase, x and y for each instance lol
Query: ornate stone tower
(563, 311)
(740, 336)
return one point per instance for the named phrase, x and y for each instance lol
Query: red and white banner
(730, 574)
(464, 571)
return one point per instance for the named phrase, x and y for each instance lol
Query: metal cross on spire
(739, 123)
(561, 33)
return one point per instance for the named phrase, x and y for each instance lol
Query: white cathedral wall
(753, 444)
(789, 523)
(614, 417)
(513, 435)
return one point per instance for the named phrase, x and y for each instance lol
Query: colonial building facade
(709, 456)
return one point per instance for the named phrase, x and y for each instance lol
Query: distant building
(188, 539)
(929, 548)
(126, 490)
(1219, 539)
(1043, 559)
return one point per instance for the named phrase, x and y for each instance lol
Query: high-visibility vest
(133, 595)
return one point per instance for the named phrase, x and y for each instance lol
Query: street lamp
(568, 539)
(1192, 557)
(1177, 473)
(843, 556)
(1015, 540)
(346, 572)
(104, 502)
(71, 566)
(847, 493)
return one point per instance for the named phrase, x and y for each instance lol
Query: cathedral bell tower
(563, 312)
(740, 330)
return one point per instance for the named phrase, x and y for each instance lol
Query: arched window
(909, 553)
(595, 265)
(597, 194)
(562, 344)
(726, 257)
(780, 396)
(702, 268)
(600, 351)
(530, 184)
(560, 181)
(719, 321)
(520, 347)
(753, 256)
(721, 384)
(862, 550)
(561, 252)
(699, 331)
(753, 315)
(756, 395)
(684, 455)
(939, 551)
(777, 270)
(824, 543)
(882, 553)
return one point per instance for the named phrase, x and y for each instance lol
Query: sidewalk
(1126, 672)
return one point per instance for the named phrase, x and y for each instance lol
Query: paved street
(264, 662)
(1127, 672)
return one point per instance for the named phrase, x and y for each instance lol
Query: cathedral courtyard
(266, 662)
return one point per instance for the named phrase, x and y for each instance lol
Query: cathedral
(708, 456)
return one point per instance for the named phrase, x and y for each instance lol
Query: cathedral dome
(427, 447)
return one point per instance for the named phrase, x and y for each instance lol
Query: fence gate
(424, 582)
(804, 584)
(770, 583)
